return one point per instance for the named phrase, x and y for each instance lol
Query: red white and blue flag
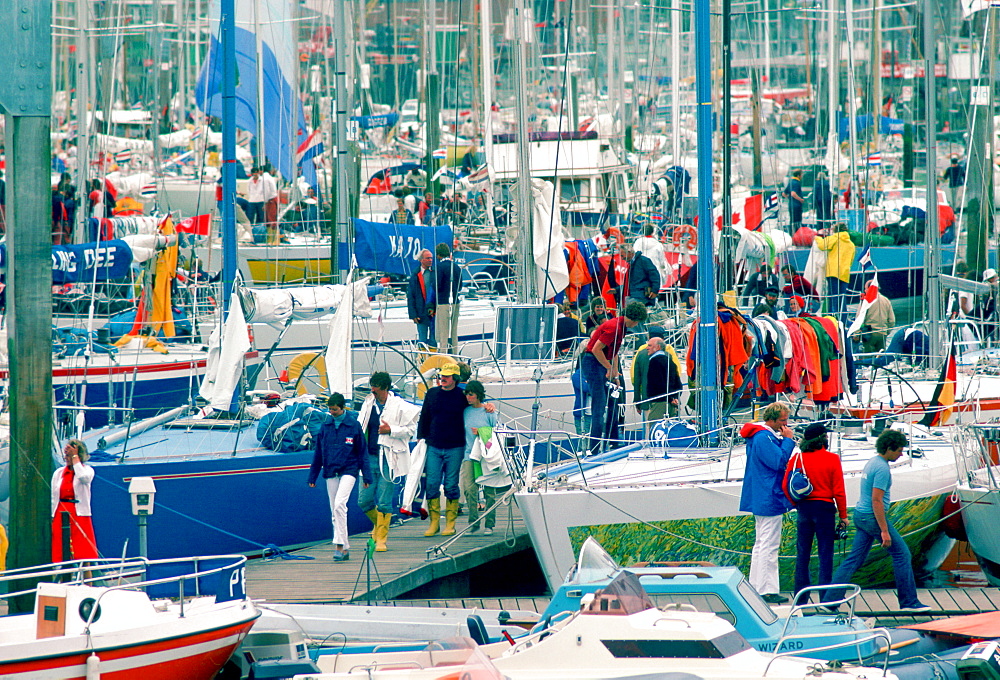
(868, 298)
(771, 202)
(310, 148)
(148, 190)
(439, 153)
(866, 257)
(197, 133)
(875, 158)
(123, 156)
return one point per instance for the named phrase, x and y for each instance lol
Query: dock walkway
(404, 567)
(408, 565)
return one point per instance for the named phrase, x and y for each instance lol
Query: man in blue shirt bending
(871, 523)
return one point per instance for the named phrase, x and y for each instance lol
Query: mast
(82, 129)
(726, 277)
(227, 23)
(978, 208)
(338, 270)
(932, 258)
(259, 75)
(675, 77)
(832, 86)
(526, 289)
(708, 372)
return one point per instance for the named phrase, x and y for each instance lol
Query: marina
(516, 339)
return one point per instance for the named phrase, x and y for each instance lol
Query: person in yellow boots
(839, 258)
(389, 422)
(441, 426)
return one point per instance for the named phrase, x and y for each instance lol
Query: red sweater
(827, 476)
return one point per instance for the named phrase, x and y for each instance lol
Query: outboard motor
(980, 662)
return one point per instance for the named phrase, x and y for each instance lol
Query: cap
(989, 274)
(814, 430)
(656, 332)
(449, 369)
(770, 289)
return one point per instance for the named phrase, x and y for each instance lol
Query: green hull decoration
(728, 540)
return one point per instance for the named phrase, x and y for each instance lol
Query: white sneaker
(488, 532)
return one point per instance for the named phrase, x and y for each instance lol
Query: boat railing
(872, 634)
(977, 453)
(852, 591)
(129, 574)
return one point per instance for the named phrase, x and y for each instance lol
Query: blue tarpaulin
(394, 248)
(70, 264)
(383, 120)
(887, 126)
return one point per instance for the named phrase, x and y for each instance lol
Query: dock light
(143, 491)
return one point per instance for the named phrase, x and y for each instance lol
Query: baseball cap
(449, 369)
(814, 430)
(989, 274)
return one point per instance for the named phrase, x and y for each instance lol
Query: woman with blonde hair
(71, 506)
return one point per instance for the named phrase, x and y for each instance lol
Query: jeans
(443, 465)
(595, 375)
(837, 292)
(255, 213)
(379, 496)
(425, 332)
(339, 490)
(866, 533)
(815, 518)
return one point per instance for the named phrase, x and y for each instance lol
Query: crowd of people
(766, 495)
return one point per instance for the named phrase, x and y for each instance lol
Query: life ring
(299, 364)
(685, 235)
(429, 366)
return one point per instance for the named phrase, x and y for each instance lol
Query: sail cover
(548, 239)
(284, 121)
(339, 368)
(226, 354)
(276, 305)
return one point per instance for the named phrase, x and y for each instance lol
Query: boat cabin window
(753, 599)
(718, 648)
(703, 602)
(574, 190)
(622, 597)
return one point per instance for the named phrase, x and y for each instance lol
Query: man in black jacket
(643, 278)
(421, 294)
(449, 283)
(663, 382)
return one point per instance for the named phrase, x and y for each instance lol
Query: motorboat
(617, 632)
(651, 502)
(158, 620)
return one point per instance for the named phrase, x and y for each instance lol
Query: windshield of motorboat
(594, 564)
(752, 597)
(622, 597)
(455, 651)
(478, 666)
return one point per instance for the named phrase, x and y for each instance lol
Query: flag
(312, 147)
(197, 133)
(478, 176)
(875, 158)
(753, 211)
(148, 190)
(123, 156)
(866, 257)
(283, 116)
(197, 225)
(771, 202)
(439, 153)
(867, 300)
(939, 410)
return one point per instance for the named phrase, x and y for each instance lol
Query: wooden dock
(412, 561)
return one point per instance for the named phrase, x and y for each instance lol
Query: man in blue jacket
(769, 446)
(340, 453)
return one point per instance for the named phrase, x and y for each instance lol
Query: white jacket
(83, 476)
(401, 416)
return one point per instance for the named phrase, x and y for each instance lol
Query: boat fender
(93, 667)
(685, 235)
(951, 519)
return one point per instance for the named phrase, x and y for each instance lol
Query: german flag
(939, 410)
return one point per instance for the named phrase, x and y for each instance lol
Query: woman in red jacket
(817, 512)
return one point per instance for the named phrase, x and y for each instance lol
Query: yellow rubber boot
(434, 510)
(373, 516)
(381, 532)
(450, 515)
